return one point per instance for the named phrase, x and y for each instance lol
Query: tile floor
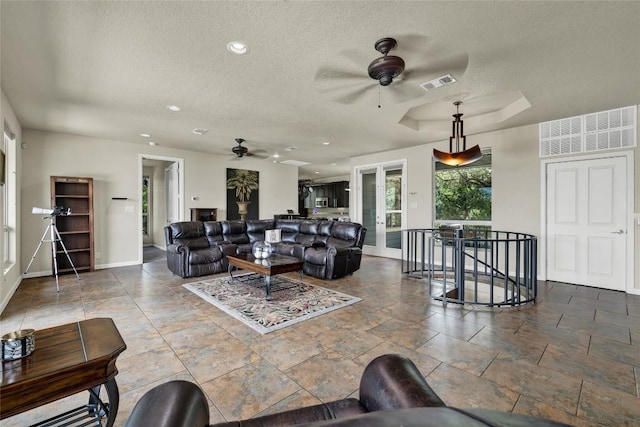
(573, 357)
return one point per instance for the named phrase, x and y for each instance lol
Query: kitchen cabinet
(335, 192)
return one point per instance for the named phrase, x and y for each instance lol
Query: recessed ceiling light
(334, 164)
(274, 161)
(316, 172)
(326, 143)
(145, 135)
(173, 108)
(153, 143)
(276, 155)
(237, 48)
(199, 131)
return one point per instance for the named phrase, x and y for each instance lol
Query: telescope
(55, 239)
(56, 211)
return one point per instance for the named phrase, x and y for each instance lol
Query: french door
(381, 209)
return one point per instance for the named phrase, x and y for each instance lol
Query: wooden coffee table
(67, 359)
(275, 264)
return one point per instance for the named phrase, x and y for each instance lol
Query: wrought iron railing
(473, 266)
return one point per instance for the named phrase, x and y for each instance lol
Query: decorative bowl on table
(262, 250)
(18, 344)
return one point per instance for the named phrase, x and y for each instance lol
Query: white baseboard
(31, 275)
(116, 264)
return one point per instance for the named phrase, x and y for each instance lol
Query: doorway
(164, 201)
(381, 207)
(589, 231)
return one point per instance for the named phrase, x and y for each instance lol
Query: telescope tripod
(54, 238)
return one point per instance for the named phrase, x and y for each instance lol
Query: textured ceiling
(109, 69)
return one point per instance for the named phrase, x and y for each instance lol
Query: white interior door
(172, 191)
(587, 222)
(381, 207)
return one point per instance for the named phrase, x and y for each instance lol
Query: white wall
(114, 168)
(12, 277)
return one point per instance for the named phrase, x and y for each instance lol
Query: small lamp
(458, 158)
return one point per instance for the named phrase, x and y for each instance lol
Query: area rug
(292, 301)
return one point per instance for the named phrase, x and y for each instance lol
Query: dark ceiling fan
(241, 151)
(347, 82)
(387, 67)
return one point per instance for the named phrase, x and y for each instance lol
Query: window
(463, 193)
(146, 188)
(9, 209)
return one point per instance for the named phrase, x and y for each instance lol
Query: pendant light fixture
(458, 158)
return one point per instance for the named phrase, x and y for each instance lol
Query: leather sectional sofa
(330, 249)
(393, 392)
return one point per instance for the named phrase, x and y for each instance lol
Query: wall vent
(605, 130)
(436, 83)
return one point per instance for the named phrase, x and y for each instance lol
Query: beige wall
(516, 183)
(114, 166)
(12, 277)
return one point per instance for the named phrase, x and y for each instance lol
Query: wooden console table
(67, 359)
(204, 214)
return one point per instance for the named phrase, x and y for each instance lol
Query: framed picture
(273, 236)
(2, 168)
(243, 194)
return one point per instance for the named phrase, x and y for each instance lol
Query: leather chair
(392, 393)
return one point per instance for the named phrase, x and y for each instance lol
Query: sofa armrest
(347, 250)
(174, 403)
(393, 381)
(228, 248)
(177, 248)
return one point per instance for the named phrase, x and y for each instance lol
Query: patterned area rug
(292, 301)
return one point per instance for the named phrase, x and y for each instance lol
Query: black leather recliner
(392, 393)
(330, 249)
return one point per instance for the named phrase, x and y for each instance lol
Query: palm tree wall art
(242, 194)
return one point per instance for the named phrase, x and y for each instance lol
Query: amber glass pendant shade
(458, 157)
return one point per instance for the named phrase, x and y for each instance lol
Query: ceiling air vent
(295, 163)
(199, 131)
(436, 83)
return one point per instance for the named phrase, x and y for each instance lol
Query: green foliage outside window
(463, 193)
(393, 198)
